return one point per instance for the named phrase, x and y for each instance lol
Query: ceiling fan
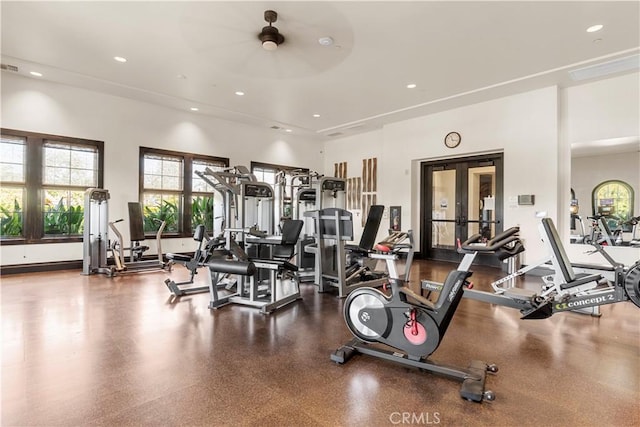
(270, 36)
(225, 38)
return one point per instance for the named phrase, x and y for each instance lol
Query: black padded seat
(581, 279)
(243, 268)
(275, 264)
(178, 257)
(570, 277)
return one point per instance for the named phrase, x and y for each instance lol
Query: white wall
(604, 109)
(524, 127)
(125, 125)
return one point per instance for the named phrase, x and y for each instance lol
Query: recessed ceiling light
(316, 115)
(120, 59)
(594, 28)
(35, 73)
(411, 86)
(288, 130)
(194, 109)
(239, 93)
(325, 41)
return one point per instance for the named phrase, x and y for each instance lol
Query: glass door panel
(481, 201)
(443, 209)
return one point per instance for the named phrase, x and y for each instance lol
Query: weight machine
(315, 193)
(346, 267)
(96, 243)
(201, 256)
(249, 237)
(136, 249)
(96, 233)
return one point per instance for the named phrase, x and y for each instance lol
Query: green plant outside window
(11, 215)
(63, 212)
(202, 212)
(158, 208)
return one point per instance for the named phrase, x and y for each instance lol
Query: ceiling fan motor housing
(270, 33)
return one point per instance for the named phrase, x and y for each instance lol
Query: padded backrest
(371, 227)
(198, 235)
(558, 250)
(291, 229)
(136, 222)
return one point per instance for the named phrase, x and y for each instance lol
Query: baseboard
(56, 266)
(39, 267)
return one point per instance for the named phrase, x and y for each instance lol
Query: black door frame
(426, 201)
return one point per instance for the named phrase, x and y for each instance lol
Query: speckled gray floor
(82, 350)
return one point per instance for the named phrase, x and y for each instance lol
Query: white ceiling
(456, 53)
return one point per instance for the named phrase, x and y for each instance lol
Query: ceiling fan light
(269, 45)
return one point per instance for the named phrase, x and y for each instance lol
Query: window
(43, 179)
(171, 191)
(163, 188)
(614, 199)
(12, 185)
(68, 170)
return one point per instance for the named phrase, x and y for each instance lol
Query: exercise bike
(618, 233)
(414, 326)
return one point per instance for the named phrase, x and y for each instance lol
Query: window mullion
(187, 190)
(34, 223)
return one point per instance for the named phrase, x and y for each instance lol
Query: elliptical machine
(412, 325)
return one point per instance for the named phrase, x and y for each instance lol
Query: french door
(460, 197)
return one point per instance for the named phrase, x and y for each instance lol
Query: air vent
(9, 67)
(599, 70)
(335, 134)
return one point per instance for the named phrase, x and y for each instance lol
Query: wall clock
(452, 140)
